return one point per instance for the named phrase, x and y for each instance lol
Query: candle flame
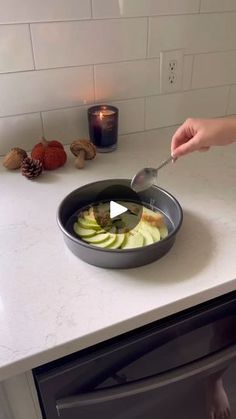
(101, 115)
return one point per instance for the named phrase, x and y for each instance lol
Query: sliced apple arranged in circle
(150, 229)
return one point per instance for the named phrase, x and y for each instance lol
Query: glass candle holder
(103, 127)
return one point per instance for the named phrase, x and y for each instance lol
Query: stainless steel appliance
(165, 370)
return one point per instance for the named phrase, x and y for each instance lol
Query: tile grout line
(148, 37)
(145, 114)
(228, 100)
(222, 51)
(122, 100)
(91, 7)
(42, 123)
(32, 47)
(94, 85)
(192, 70)
(200, 6)
(155, 58)
(87, 19)
(85, 65)
(148, 130)
(67, 142)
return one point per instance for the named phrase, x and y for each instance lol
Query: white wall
(59, 56)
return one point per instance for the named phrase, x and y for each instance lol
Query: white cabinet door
(18, 395)
(5, 411)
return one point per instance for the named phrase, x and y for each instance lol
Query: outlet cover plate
(171, 70)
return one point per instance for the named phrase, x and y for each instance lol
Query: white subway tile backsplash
(58, 57)
(127, 79)
(66, 124)
(131, 115)
(15, 48)
(214, 69)
(193, 33)
(97, 41)
(124, 8)
(134, 79)
(33, 91)
(13, 11)
(218, 5)
(187, 72)
(20, 131)
(232, 101)
(174, 108)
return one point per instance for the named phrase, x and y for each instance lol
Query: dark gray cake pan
(155, 198)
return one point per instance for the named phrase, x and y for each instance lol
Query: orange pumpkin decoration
(50, 153)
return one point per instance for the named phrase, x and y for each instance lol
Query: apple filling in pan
(94, 226)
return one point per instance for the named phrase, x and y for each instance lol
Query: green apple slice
(145, 233)
(148, 238)
(97, 238)
(88, 215)
(83, 232)
(163, 232)
(118, 241)
(106, 243)
(133, 240)
(86, 223)
(152, 229)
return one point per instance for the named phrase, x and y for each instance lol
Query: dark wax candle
(103, 127)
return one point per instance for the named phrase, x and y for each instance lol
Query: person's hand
(201, 134)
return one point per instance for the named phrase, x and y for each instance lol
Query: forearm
(229, 128)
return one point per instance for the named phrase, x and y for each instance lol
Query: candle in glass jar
(103, 127)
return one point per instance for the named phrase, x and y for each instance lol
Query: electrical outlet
(171, 70)
(172, 79)
(173, 65)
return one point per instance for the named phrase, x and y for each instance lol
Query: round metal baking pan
(154, 197)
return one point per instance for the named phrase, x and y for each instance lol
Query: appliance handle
(204, 366)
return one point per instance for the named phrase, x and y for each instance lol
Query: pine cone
(31, 168)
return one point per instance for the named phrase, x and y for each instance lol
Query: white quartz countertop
(52, 303)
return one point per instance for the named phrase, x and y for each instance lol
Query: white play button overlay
(117, 198)
(116, 209)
